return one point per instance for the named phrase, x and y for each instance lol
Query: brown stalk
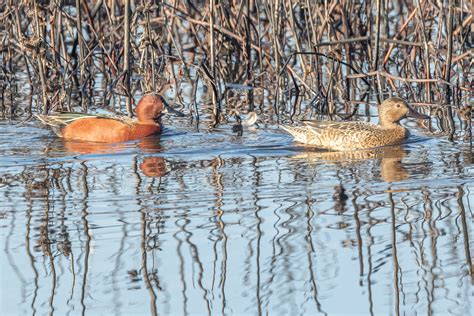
(41, 66)
(126, 57)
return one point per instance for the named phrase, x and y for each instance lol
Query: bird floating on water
(344, 136)
(109, 128)
(249, 120)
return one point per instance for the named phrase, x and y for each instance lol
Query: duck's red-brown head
(150, 108)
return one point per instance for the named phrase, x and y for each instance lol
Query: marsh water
(210, 222)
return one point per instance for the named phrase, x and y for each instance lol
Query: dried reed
(292, 58)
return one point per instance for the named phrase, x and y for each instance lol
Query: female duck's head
(392, 110)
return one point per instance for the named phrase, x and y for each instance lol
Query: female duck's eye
(398, 105)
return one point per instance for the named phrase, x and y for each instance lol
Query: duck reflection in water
(391, 167)
(151, 166)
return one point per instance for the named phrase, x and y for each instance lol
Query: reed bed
(285, 59)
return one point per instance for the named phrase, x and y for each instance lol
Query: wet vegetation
(285, 59)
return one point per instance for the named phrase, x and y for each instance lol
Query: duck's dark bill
(169, 110)
(417, 115)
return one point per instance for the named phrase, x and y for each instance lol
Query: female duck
(343, 136)
(110, 129)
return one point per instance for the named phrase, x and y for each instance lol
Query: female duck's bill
(343, 136)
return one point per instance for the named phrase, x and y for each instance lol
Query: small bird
(249, 120)
(344, 136)
(108, 128)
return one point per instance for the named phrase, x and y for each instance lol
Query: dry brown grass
(265, 55)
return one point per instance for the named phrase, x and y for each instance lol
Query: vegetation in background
(285, 59)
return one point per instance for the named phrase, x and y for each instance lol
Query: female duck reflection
(151, 166)
(391, 166)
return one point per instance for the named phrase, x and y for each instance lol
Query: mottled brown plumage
(343, 136)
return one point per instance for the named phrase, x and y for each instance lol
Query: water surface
(214, 223)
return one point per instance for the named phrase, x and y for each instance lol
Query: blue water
(197, 221)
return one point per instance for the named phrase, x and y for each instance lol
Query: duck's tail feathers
(290, 130)
(300, 134)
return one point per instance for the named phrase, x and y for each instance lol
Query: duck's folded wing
(62, 118)
(318, 124)
(339, 126)
(59, 119)
(344, 135)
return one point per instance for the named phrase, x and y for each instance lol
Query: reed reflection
(243, 234)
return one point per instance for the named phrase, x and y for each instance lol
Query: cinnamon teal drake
(109, 128)
(344, 136)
